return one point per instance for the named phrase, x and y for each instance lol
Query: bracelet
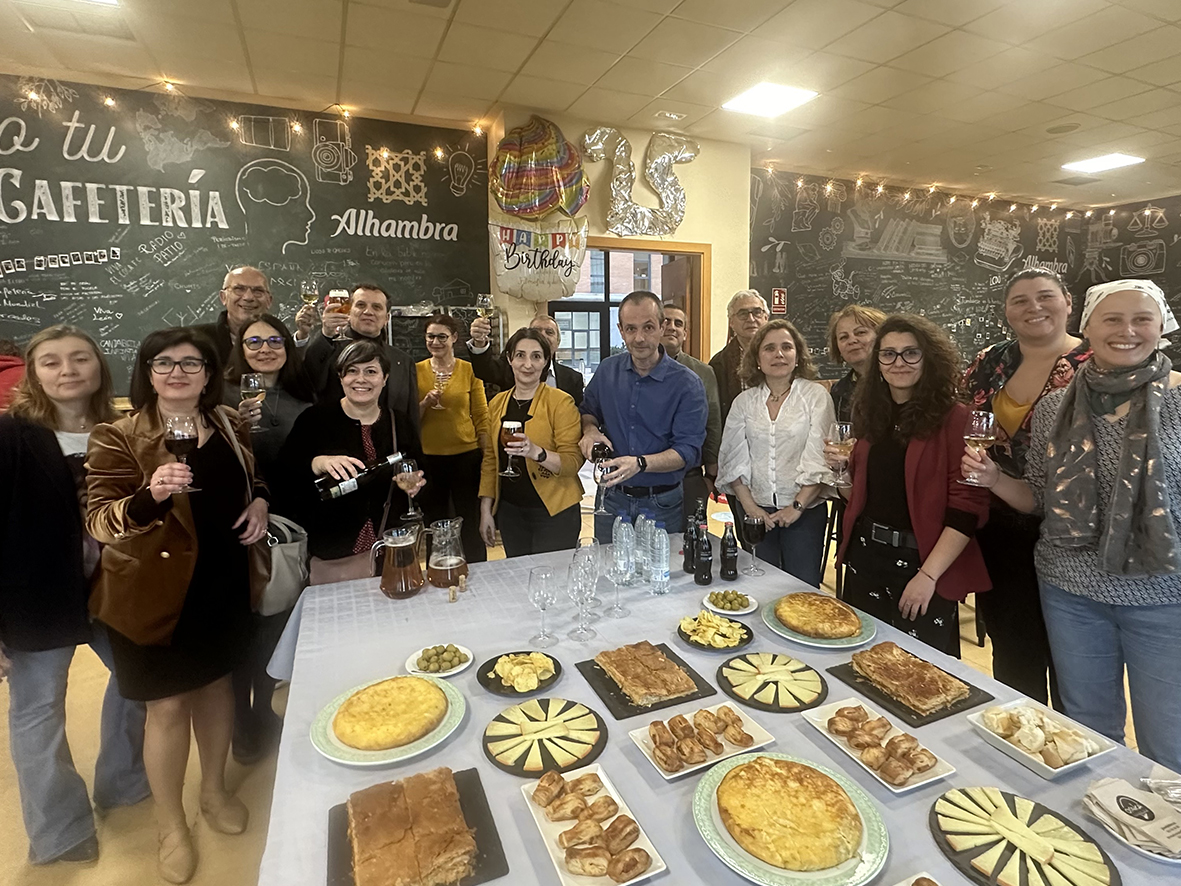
(929, 575)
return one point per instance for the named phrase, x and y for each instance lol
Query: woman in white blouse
(772, 455)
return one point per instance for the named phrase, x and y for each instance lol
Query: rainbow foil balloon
(536, 171)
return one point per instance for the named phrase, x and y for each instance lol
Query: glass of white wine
(484, 306)
(840, 435)
(978, 436)
(308, 292)
(254, 387)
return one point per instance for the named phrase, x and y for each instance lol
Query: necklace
(775, 398)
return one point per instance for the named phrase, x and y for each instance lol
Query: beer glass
(509, 430)
(338, 302)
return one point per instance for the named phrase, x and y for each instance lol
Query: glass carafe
(401, 576)
(447, 562)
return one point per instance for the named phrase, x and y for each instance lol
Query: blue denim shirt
(646, 414)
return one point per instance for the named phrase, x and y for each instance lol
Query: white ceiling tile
(165, 36)
(948, 53)
(402, 6)
(822, 71)
(602, 25)
(1160, 43)
(948, 12)
(102, 55)
(1100, 93)
(1019, 22)
(210, 73)
(1098, 136)
(495, 50)
(887, 36)
(978, 107)
(707, 88)
(931, 97)
(1158, 119)
(1162, 73)
(21, 48)
(1010, 65)
(377, 97)
(301, 85)
(1136, 105)
(872, 119)
(283, 52)
(922, 126)
(569, 63)
(680, 42)
(739, 15)
(542, 93)
(597, 104)
(401, 72)
(642, 76)
(646, 118)
(663, 7)
(721, 125)
(466, 81)
(450, 107)
(1062, 77)
(394, 32)
(1090, 33)
(754, 59)
(206, 10)
(320, 19)
(1143, 144)
(880, 83)
(1166, 10)
(816, 23)
(1022, 116)
(821, 111)
(532, 17)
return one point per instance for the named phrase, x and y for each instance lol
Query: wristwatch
(543, 456)
(798, 505)
(642, 463)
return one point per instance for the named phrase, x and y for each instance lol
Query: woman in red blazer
(908, 535)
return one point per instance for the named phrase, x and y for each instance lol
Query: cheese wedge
(943, 807)
(994, 794)
(964, 802)
(1021, 836)
(981, 799)
(1024, 809)
(1046, 823)
(767, 694)
(746, 690)
(561, 756)
(532, 709)
(497, 728)
(1077, 849)
(1033, 878)
(510, 757)
(955, 826)
(1082, 872)
(986, 862)
(1010, 874)
(533, 761)
(960, 842)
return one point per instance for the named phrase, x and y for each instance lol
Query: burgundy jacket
(932, 469)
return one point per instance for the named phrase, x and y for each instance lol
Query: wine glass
(600, 452)
(180, 439)
(578, 587)
(616, 575)
(308, 292)
(840, 435)
(414, 512)
(542, 596)
(588, 546)
(508, 431)
(978, 436)
(441, 379)
(754, 530)
(484, 306)
(254, 386)
(338, 302)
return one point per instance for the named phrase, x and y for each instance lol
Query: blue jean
(666, 506)
(1092, 643)
(54, 801)
(797, 549)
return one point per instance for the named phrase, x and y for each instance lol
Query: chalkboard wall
(120, 211)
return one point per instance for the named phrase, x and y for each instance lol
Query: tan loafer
(177, 861)
(227, 817)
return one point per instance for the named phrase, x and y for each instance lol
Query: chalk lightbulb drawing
(461, 167)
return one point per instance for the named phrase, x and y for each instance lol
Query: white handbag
(287, 543)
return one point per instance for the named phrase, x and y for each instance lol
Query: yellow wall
(717, 210)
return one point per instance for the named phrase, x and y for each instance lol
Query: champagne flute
(840, 435)
(610, 569)
(978, 436)
(578, 587)
(484, 306)
(180, 439)
(414, 512)
(441, 379)
(508, 431)
(599, 454)
(588, 547)
(542, 596)
(338, 302)
(254, 386)
(754, 530)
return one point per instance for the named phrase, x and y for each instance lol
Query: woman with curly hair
(772, 453)
(909, 529)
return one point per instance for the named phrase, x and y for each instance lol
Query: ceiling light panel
(1102, 164)
(769, 100)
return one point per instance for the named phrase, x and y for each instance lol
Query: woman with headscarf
(1104, 469)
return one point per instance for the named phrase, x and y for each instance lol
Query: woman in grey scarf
(1104, 467)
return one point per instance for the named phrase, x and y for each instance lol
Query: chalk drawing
(332, 151)
(39, 263)
(43, 95)
(834, 196)
(457, 292)
(396, 175)
(780, 247)
(827, 239)
(1047, 234)
(1142, 257)
(807, 207)
(808, 253)
(258, 131)
(461, 169)
(164, 147)
(1148, 221)
(960, 223)
(842, 283)
(1000, 244)
(756, 193)
(276, 200)
(17, 136)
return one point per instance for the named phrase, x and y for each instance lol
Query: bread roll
(681, 727)
(691, 751)
(874, 757)
(727, 714)
(660, 735)
(585, 785)
(856, 713)
(600, 810)
(841, 725)
(620, 834)
(667, 758)
(588, 861)
(710, 741)
(705, 720)
(862, 740)
(566, 808)
(736, 735)
(901, 745)
(585, 833)
(549, 787)
(628, 865)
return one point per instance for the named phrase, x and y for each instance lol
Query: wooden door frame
(699, 314)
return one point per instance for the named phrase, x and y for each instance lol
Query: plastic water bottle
(623, 537)
(658, 566)
(643, 545)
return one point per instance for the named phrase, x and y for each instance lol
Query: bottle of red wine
(330, 487)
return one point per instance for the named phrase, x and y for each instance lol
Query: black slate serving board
(496, 687)
(621, 706)
(548, 761)
(846, 674)
(748, 637)
(763, 706)
(491, 863)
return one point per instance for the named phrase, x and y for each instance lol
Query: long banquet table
(348, 634)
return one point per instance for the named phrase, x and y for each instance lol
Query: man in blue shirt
(652, 412)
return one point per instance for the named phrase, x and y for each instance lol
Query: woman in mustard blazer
(538, 511)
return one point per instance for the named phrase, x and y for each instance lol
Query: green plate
(325, 741)
(871, 854)
(868, 631)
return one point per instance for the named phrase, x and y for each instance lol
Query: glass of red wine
(180, 439)
(754, 530)
(599, 454)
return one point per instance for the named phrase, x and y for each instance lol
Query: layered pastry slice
(918, 684)
(645, 674)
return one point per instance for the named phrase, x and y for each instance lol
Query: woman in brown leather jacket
(175, 587)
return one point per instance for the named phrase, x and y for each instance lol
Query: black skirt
(213, 631)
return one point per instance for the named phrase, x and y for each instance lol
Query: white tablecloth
(349, 633)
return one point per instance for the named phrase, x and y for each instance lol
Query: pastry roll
(681, 727)
(589, 861)
(585, 785)
(710, 741)
(586, 833)
(921, 759)
(874, 757)
(549, 787)
(620, 834)
(706, 721)
(600, 810)
(667, 758)
(727, 714)
(856, 713)
(879, 727)
(861, 740)
(738, 736)
(839, 725)
(566, 808)
(901, 745)
(895, 772)
(628, 865)
(660, 735)
(691, 751)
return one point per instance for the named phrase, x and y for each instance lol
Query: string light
(906, 196)
(1111, 212)
(477, 130)
(992, 196)
(951, 200)
(1070, 215)
(385, 155)
(799, 182)
(1147, 212)
(1053, 206)
(1088, 213)
(828, 188)
(1034, 209)
(297, 127)
(32, 96)
(109, 102)
(859, 182)
(975, 202)
(438, 153)
(234, 125)
(881, 188)
(169, 85)
(931, 190)
(1012, 206)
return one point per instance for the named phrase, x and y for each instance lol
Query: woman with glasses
(909, 534)
(454, 415)
(1009, 379)
(851, 332)
(175, 585)
(772, 453)
(47, 561)
(537, 511)
(266, 348)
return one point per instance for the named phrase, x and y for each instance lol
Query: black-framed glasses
(438, 336)
(240, 290)
(165, 365)
(274, 342)
(909, 356)
(750, 313)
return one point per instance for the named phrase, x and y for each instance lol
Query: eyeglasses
(274, 342)
(910, 356)
(750, 314)
(165, 365)
(438, 336)
(239, 290)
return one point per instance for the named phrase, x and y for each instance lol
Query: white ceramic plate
(819, 718)
(868, 630)
(411, 669)
(761, 737)
(751, 607)
(1154, 856)
(550, 830)
(325, 741)
(1031, 761)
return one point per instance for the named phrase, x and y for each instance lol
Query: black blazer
(43, 593)
(495, 371)
(219, 333)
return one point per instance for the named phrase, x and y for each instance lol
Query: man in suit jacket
(497, 372)
(367, 317)
(246, 295)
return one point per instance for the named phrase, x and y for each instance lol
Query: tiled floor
(127, 836)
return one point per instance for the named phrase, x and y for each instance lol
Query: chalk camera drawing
(332, 152)
(1143, 257)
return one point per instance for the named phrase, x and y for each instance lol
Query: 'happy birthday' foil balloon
(537, 170)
